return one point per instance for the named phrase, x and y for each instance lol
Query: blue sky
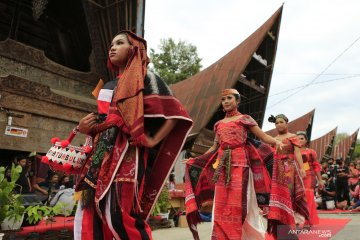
(318, 43)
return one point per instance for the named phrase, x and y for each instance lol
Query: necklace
(232, 113)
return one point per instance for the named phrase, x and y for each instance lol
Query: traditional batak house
(324, 145)
(345, 148)
(248, 68)
(52, 54)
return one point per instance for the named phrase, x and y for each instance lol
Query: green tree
(175, 61)
(340, 136)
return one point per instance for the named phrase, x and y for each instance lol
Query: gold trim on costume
(125, 180)
(90, 183)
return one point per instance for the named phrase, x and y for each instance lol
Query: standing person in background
(287, 199)
(172, 185)
(239, 173)
(324, 168)
(138, 133)
(312, 168)
(331, 168)
(341, 182)
(23, 180)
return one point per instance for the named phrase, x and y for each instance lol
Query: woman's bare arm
(164, 130)
(265, 137)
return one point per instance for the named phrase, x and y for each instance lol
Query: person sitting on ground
(328, 193)
(66, 198)
(355, 203)
(40, 172)
(64, 180)
(318, 199)
(51, 185)
(357, 166)
(353, 176)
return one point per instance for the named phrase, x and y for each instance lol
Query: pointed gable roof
(324, 145)
(201, 93)
(303, 123)
(343, 148)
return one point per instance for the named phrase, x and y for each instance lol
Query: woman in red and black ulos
(134, 148)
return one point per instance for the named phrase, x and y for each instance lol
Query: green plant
(162, 204)
(36, 213)
(11, 203)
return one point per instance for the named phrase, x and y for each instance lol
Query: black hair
(20, 157)
(272, 119)
(172, 177)
(303, 133)
(69, 184)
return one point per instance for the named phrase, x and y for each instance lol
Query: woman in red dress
(138, 134)
(287, 204)
(312, 168)
(235, 210)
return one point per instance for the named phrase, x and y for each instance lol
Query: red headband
(229, 91)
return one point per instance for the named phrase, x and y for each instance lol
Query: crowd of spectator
(39, 184)
(341, 185)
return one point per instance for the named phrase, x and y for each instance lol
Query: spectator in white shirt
(65, 197)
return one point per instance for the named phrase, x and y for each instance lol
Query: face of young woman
(119, 50)
(229, 102)
(281, 125)
(302, 140)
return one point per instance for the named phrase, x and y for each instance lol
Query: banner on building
(16, 131)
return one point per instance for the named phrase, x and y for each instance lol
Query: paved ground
(350, 232)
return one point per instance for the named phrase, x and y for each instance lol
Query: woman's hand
(87, 123)
(44, 192)
(279, 145)
(303, 173)
(321, 184)
(149, 142)
(186, 160)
